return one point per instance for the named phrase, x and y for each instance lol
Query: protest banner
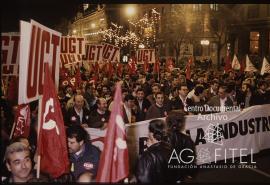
(217, 136)
(145, 55)
(72, 51)
(38, 45)
(10, 54)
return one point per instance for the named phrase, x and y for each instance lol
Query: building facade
(251, 33)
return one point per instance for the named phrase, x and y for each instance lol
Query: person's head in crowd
(183, 90)
(222, 91)
(182, 78)
(77, 136)
(157, 132)
(159, 99)
(102, 104)
(262, 85)
(89, 88)
(246, 88)
(230, 88)
(124, 93)
(78, 91)
(155, 88)
(85, 177)
(78, 102)
(200, 79)
(127, 77)
(175, 81)
(199, 91)
(105, 90)
(150, 78)
(21, 139)
(18, 162)
(129, 101)
(140, 94)
(231, 74)
(215, 85)
(176, 121)
(68, 90)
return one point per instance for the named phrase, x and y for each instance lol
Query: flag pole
(39, 124)
(12, 130)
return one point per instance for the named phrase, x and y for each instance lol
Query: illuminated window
(214, 7)
(197, 7)
(254, 42)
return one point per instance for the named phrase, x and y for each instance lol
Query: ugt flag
(113, 165)
(52, 145)
(22, 121)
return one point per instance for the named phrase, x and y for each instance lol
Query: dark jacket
(97, 120)
(182, 142)
(141, 112)
(125, 117)
(177, 103)
(157, 112)
(152, 166)
(72, 117)
(87, 160)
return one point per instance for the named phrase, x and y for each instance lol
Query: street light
(205, 42)
(130, 10)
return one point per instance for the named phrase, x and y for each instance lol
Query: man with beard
(99, 117)
(84, 157)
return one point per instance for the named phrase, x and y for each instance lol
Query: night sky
(47, 13)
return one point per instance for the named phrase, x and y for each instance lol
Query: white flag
(235, 63)
(265, 66)
(249, 65)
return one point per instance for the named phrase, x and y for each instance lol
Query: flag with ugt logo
(114, 163)
(52, 145)
(22, 121)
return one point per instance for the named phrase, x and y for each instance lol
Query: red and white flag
(235, 63)
(132, 66)
(146, 66)
(157, 66)
(265, 66)
(22, 121)
(188, 72)
(114, 162)
(52, 144)
(228, 65)
(249, 65)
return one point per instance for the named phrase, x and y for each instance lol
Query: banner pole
(12, 130)
(39, 124)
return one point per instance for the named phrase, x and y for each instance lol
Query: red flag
(119, 70)
(157, 66)
(22, 121)
(228, 64)
(114, 163)
(145, 66)
(52, 145)
(132, 67)
(188, 75)
(110, 69)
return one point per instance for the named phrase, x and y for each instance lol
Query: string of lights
(146, 30)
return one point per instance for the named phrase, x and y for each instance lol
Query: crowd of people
(145, 95)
